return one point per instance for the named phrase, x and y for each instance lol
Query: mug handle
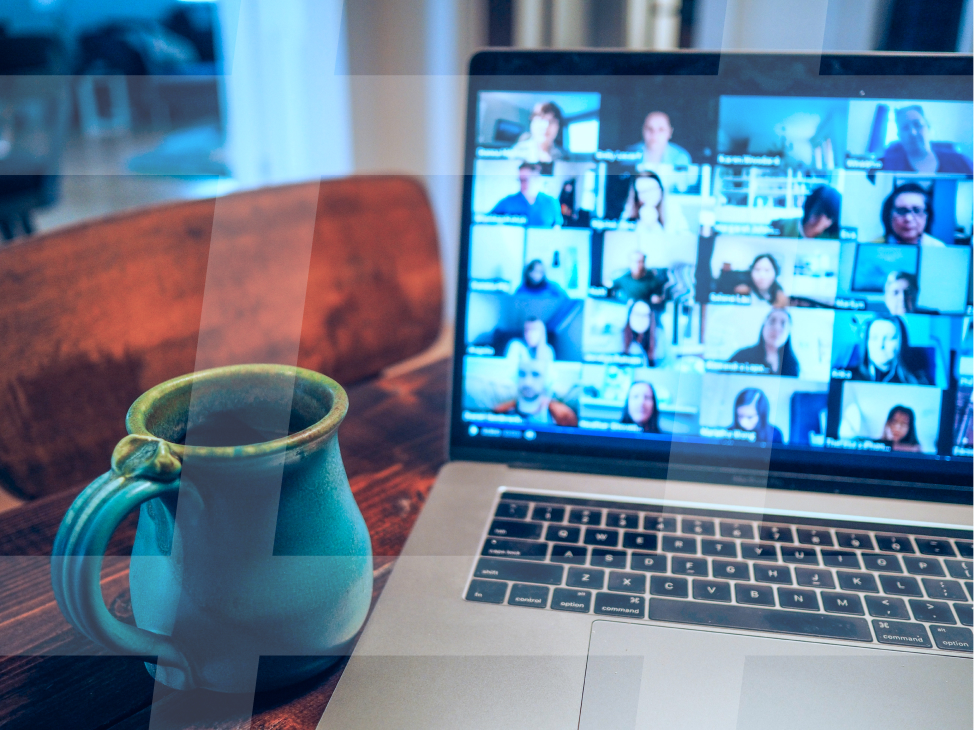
(143, 468)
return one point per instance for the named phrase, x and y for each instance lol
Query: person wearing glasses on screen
(907, 215)
(773, 348)
(900, 293)
(641, 407)
(540, 209)
(882, 360)
(820, 217)
(542, 142)
(900, 432)
(914, 152)
(656, 146)
(752, 412)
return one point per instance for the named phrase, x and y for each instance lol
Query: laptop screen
(748, 262)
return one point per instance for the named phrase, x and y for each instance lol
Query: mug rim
(139, 412)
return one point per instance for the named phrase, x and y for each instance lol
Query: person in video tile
(656, 145)
(534, 402)
(543, 140)
(647, 207)
(900, 431)
(882, 360)
(752, 413)
(539, 208)
(639, 334)
(639, 283)
(907, 216)
(763, 283)
(900, 292)
(641, 407)
(914, 152)
(535, 283)
(773, 349)
(534, 346)
(820, 218)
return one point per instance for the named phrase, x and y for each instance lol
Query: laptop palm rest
(662, 677)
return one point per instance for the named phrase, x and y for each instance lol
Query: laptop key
(841, 603)
(801, 555)
(840, 559)
(487, 591)
(775, 533)
(585, 578)
(814, 578)
(882, 563)
(664, 585)
(569, 554)
(620, 604)
(862, 582)
(855, 540)
(524, 549)
(689, 566)
(772, 574)
(711, 590)
(798, 598)
(964, 548)
(751, 618)
(928, 546)
(959, 569)
(949, 589)
(894, 543)
(512, 510)
(952, 638)
(719, 548)
(522, 530)
(742, 530)
(969, 585)
(523, 594)
(640, 540)
(659, 523)
(622, 519)
(901, 633)
(606, 538)
(754, 595)
(923, 566)
(808, 536)
(965, 613)
(900, 585)
(886, 607)
(626, 582)
(516, 570)
(759, 551)
(676, 544)
(932, 612)
(603, 558)
(585, 517)
(731, 569)
(692, 526)
(648, 562)
(571, 599)
(561, 533)
(548, 514)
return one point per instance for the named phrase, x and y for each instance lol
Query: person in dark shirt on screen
(900, 293)
(882, 361)
(914, 152)
(641, 407)
(639, 282)
(773, 349)
(900, 431)
(820, 216)
(540, 209)
(752, 412)
(535, 282)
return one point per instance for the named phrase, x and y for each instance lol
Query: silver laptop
(711, 420)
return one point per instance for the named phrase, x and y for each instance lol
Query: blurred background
(107, 105)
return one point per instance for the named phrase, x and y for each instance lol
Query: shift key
(521, 572)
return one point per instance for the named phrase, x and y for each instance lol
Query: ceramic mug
(263, 555)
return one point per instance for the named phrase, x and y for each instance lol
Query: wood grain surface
(93, 315)
(393, 443)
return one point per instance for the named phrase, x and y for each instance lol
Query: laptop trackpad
(642, 677)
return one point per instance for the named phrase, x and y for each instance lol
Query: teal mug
(249, 544)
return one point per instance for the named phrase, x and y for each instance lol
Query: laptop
(710, 431)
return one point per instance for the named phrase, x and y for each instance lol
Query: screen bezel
(871, 75)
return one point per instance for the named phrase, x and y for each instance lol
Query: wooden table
(393, 443)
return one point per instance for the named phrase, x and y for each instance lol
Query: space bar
(759, 619)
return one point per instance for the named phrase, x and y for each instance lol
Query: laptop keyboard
(897, 585)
